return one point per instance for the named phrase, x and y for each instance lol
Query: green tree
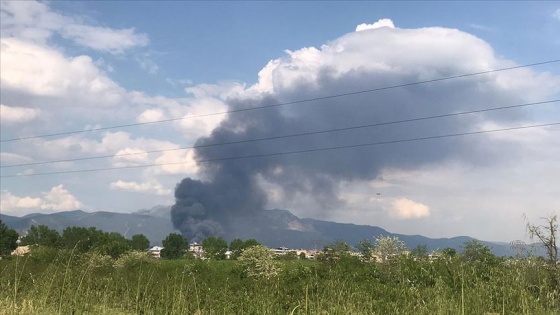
(174, 246)
(336, 251)
(112, 244)
(81, 238)
(366, 248)
(420, 251)
(139, 242)
(449, 252)
(214, 248)
(8, 239)
(237, 246)
(42, 235)
(475, 251)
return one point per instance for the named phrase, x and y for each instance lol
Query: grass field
(59, 282)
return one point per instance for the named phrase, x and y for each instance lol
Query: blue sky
(77, 65)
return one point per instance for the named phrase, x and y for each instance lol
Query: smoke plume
(231, 192)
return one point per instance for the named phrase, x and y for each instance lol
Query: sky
(74, 66)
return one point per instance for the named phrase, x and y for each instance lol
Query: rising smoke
(232, 189)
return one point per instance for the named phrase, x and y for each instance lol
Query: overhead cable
(283, 103)
(286, 152)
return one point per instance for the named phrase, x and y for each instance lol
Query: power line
(289, 152)
(282, 104)
(284, 136)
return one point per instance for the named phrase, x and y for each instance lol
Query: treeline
(78, 239)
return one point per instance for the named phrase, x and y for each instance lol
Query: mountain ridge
(274, 228)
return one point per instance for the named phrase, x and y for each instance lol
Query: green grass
(65, 283)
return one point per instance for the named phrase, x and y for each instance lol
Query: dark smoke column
(218, 207)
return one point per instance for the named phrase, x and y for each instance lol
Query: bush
(258, 262)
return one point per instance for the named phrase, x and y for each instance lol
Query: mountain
(273, 228)
(153, 227)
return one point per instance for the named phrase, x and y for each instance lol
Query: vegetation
(8, 239)
(174, 246)
(61, 281)
(87, 271)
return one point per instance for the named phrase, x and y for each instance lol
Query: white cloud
(150, 115)
(146, 63)
(556, 14)
(13, 114)
(105, 39)
(130, 156)
(57, 199)
(43, 71)
(381, 23)
(150, 187)
(403, 208)
(178, 162)
(36, 22)
(12, 158)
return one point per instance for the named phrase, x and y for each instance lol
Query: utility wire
(284, 136)
(283, 104)
(289, 152)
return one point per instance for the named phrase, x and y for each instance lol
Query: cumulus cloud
(43, 71)
(57, 199)
(383, 56)
(381, 23)
(35, 21)
(403, 208)
(14, 114)
(150, 115)
(557, 14)
(148, 187)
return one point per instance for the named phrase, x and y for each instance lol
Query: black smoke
(231, 193)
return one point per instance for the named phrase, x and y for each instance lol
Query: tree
(174, 246)
(449, 252)
(547, 234)
(476, 251)
(139, 242)
(42, 235)
(215, 248)
(420, 251)
(8, 239)
(366, 248)
(237, 246)
(81, 238)
(336, 251)
(113, 244)
(387, 247)
(258, 262)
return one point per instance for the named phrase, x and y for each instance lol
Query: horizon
(417, 154)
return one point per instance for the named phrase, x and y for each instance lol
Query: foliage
(82, 239)
(174, 246)
(8, 239)
(366, 248)
(547, 234)
(134, 258)
(237, 246)
(449, 252)
(387, 247)
(335, 251)
(92, 283)
(42, 235)
(139, 242)
(420, 251)
(258, 262)
(475, 251)
(215, 248)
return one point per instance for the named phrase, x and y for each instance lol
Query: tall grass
(64, 283)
